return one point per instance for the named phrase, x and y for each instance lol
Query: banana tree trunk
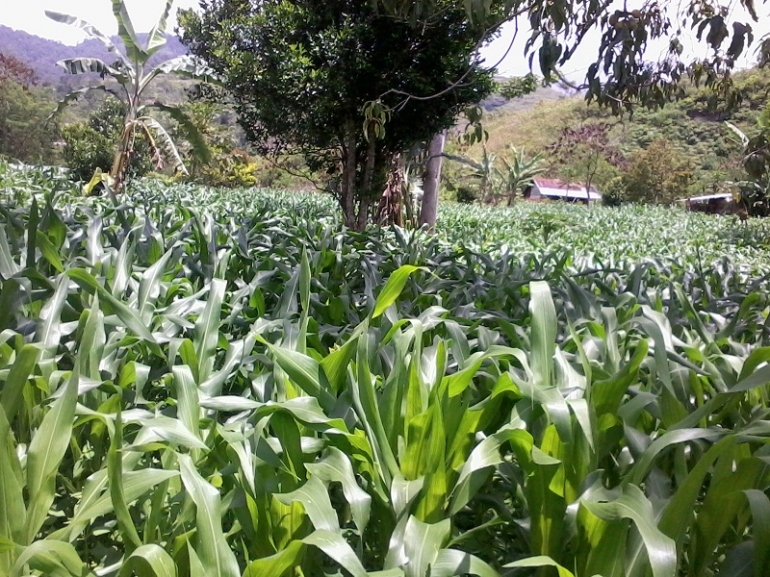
(429, 208)
(122, 158)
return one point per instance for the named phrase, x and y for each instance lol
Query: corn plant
(251, 390)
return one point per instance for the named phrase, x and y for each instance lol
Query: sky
(30, 17)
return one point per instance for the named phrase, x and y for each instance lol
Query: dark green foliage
(518, 87)
(660, 174)
(301, 74)
(90, 145)
(277, 395)
(25, 134)
(465, 195)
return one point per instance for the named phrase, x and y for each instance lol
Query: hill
(693, 127)
(42, 54)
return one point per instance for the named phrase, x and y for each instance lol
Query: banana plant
(133, 75)
(483, 169)
(519, 172)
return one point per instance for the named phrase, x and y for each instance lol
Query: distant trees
(659, 174)
(332, 81)
(24, 133)
(518, 86)
(586, 154)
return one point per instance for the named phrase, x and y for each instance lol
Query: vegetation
(230, 383)
(90, 146)
(129, 72)
(24, 133)
(321, 64)
(622, 77)
(692, 130)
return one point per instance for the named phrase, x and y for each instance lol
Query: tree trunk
(348, 192)
(429, 208)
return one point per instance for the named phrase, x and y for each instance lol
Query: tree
(621, 76)
(519, 86)
(24, 134)
(13, 69)
(755, 190)
(303, 72)
(429, 210)
(90, 145)
(585, 154)
(129, 74)
(659, 174)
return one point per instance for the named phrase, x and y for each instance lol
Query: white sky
(28, 15)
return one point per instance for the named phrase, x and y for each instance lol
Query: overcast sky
(28, 15)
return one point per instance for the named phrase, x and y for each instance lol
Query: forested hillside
(693, 129)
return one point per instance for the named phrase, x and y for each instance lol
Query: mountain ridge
(42, 54)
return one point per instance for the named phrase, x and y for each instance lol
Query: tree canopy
(24, 133)
(302, 72)
(623, 74)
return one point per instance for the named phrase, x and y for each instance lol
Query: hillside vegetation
(694, 127)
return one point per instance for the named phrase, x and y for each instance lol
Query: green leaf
(50, 558)
(450, 562)
(188, 408)
(46, 451)
(541, 561)
(633, 505)
(12, 512)
(335, 467)
(393, 288)
(13, 388)
(124, 313)
(543, 333)
(315, 500)
(157, 37)
(127, 34)
(279, 564)
(191, 133)
(207, 329)
(148, 560)
(760, 513)
(338, 550)
(212, 548)
(305, 372)
(130, 537)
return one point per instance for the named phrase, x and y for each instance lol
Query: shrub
(91, 145)
(465, 195)
(658, 175)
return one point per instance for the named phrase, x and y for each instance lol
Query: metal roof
(554, 187)
(707, 197)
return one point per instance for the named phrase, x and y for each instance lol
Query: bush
(465, 195)
(660, 174)
(86, 150)
(91, 145)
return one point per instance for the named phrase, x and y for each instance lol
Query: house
(719, 203)
(553, 189)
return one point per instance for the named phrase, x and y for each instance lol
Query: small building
(718, 203)
(554, 189)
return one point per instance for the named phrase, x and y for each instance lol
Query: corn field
(218, 383)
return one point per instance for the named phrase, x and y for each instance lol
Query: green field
(203, 382)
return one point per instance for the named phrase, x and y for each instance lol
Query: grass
(204, 382)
